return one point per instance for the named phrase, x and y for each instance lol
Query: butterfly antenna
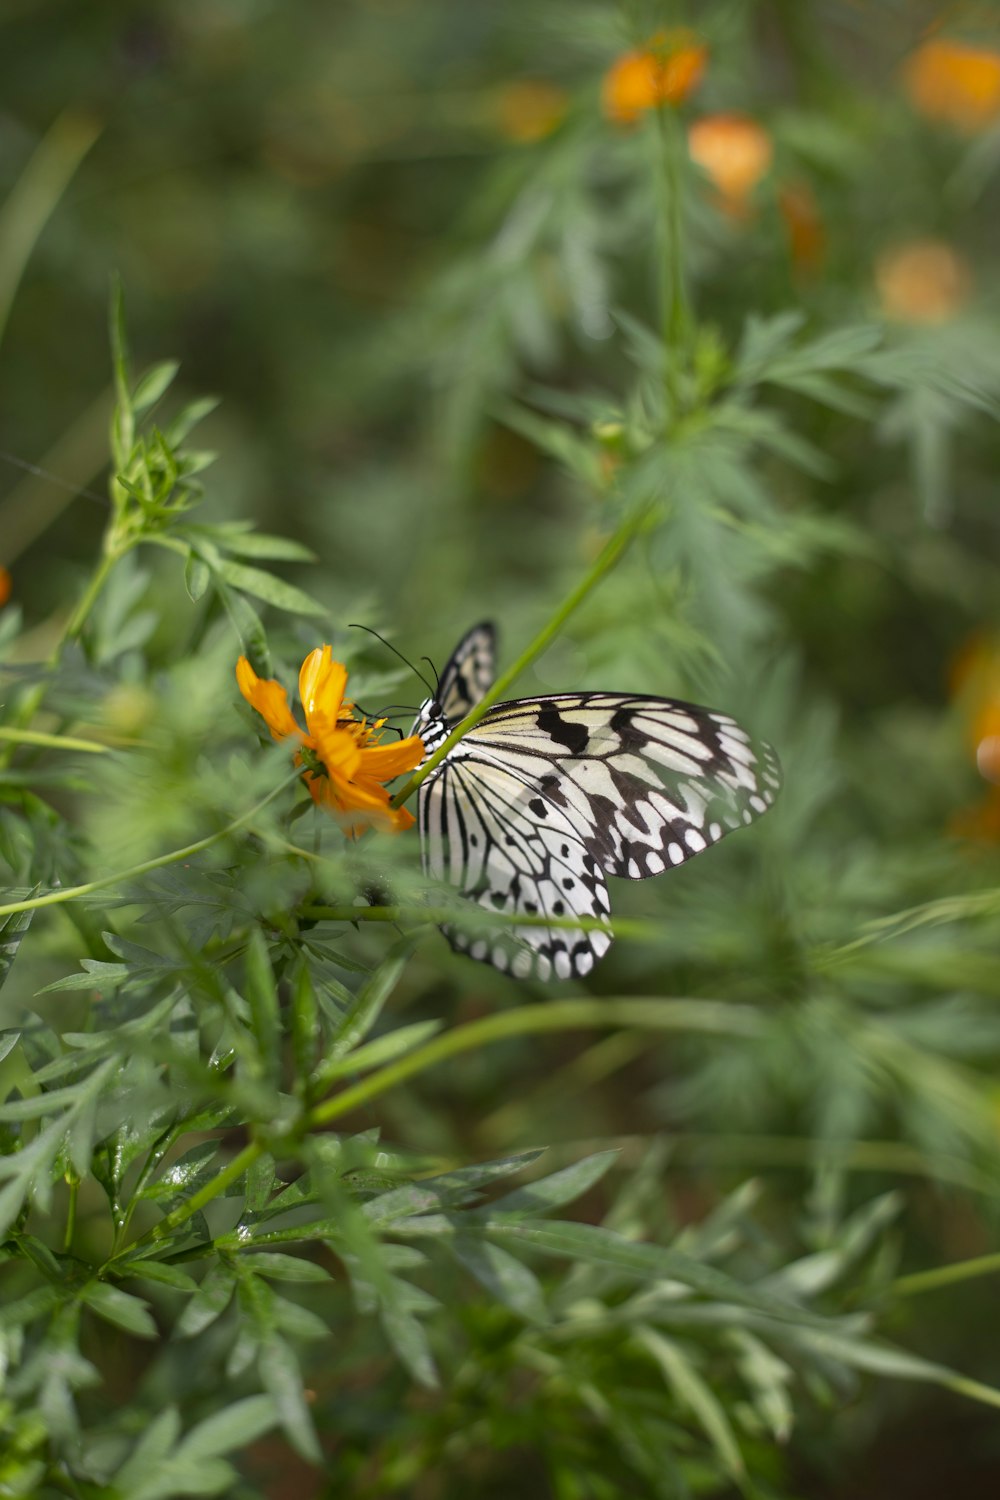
(437, 679)
(390, 647)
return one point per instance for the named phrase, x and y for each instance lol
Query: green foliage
(272, 1183)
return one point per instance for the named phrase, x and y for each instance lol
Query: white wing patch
(545, 796)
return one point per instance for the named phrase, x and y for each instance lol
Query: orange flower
(345, 767)
(806, 236)
(975, 685)
(735, 153)
(666, 71)
(925, 281)
(5, 585)
(955, 82)
(530, 109)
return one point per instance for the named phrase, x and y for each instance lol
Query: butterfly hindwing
(544, 796)
(481, 832)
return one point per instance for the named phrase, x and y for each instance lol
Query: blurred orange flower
(529, 110)
(735, 153)
(344, 766)
(806, 235)
(975, 685)
(925, 281)
(6, 584)
(955, 82)
(667, 70)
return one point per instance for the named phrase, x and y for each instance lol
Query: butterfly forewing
(650, 782)
(468, 674)
(544, 796)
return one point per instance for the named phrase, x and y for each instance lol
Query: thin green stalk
(74, 1193)
(34, 197)
(609, 555)
(50, 741)
(240, 1163)
(73, 892)
(435, 915)
(551, 1015)
(88, 599)
(962, 1270)
(675, 303)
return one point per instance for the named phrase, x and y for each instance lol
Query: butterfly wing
(545, 795)
(468, 673)
(654, 780)
(480, 831)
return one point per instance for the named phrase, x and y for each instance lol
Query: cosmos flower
(667, 70)
(344, 765)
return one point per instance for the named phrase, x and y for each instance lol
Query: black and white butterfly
(545, 796)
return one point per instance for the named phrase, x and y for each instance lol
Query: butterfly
(544, 797)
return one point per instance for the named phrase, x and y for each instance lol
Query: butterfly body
(545, 796)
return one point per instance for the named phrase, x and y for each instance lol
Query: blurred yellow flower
(925, 281)
(735, 153)
(528, 110)
(345, 767)
(955, 82)
(666, 71)
(6, 584)
(804, 225)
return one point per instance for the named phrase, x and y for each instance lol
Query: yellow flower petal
(321, 687)
(270, 700)
(387, 761)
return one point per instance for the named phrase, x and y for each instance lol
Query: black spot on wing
(573, 736)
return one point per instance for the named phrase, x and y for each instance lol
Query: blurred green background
(368, 228)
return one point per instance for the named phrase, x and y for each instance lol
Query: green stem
(930, 1281)
(34, 197)
(609, 555)
(50, 741)
(78, 618)
(73, 892)
(74, 1192)
(240, 1163)
(428, 915)
(551, 1015)
(675, 302)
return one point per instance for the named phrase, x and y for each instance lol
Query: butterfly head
(431, 724)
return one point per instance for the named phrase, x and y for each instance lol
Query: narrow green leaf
(375, 1054)
(508, 1279)
(235, 1427)
(153, 384)
(161, 1272)
(120, 1308)
(597, 1246)
(552, 1192)
(367, 1007)
(208, 1303)
(197, 576)
(285, 1267)
(274, 591)
(693, 1392)
(279, 1371)
(265, 1010)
